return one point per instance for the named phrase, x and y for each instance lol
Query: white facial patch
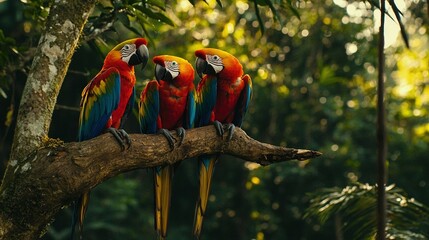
(173, 68)
(127, 51)
(215, 61)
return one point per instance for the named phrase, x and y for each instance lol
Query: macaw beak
(203, 67)
(140, 56)
(162, 74)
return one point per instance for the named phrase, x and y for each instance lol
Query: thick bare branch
(58, 173)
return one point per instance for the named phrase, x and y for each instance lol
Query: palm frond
(356, 205)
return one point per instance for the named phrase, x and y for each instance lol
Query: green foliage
(356, 206)
(135, 15)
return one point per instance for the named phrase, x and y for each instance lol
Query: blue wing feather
(206, 100)
(99, 99)
(149, 108)
(129, 109)
(243, 101)
(190, 110)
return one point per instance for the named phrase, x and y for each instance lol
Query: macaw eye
(172, 66)
(127, 50)
(214, 60)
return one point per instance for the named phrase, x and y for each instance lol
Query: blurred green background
(314, 70)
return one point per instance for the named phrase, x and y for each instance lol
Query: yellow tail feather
(84, 201)
(157, 194)
(206, 173)
(163, 186)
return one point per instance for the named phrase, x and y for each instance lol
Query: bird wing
(149, 108)
(190, 110)
(243, 101)
(129, 108)
(99, 99)
(206, 100)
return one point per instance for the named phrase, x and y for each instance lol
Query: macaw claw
(121, 137)
(231, 128)
(181, 133)
(219, 128)
(126, 137)
(168, 136)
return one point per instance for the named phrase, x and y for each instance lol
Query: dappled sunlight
(411, 78)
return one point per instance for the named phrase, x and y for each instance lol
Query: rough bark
(53, 55)
(54, 175)
(57, 44)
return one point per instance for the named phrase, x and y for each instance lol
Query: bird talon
(231, 128)
(219, 128)
(118, 136)
(125, 137)
(181, 133)
(168, 136)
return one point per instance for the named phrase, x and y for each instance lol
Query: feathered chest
(172, 105)
(228, 92)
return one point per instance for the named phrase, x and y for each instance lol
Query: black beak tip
(159, 72)
(201, 66)
(143, 55)
(144, 60)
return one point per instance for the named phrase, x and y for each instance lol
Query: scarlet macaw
(167, 103)
(106, 101)
(223, 96)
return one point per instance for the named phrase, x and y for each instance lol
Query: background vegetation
(313, 65)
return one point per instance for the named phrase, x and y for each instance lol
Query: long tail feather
(80, 208)
(206, 169)
(163, 186)
(157, 194)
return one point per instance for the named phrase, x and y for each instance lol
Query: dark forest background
(313, 65)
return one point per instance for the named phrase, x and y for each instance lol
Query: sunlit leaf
(9, 116)
(327, 76)
(158, 3)
(273, 9)
(2, 93)
(398, 14)
(155, 15)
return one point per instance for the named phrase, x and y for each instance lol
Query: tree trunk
(57, 44)
(53, 55)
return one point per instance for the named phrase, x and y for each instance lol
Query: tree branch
(57, 174)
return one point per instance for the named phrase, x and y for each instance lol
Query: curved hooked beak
(161, 73)
(203, 67)
(140, 56)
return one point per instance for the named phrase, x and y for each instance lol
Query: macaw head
(174, 70)
(213, 61)
(128, 54)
